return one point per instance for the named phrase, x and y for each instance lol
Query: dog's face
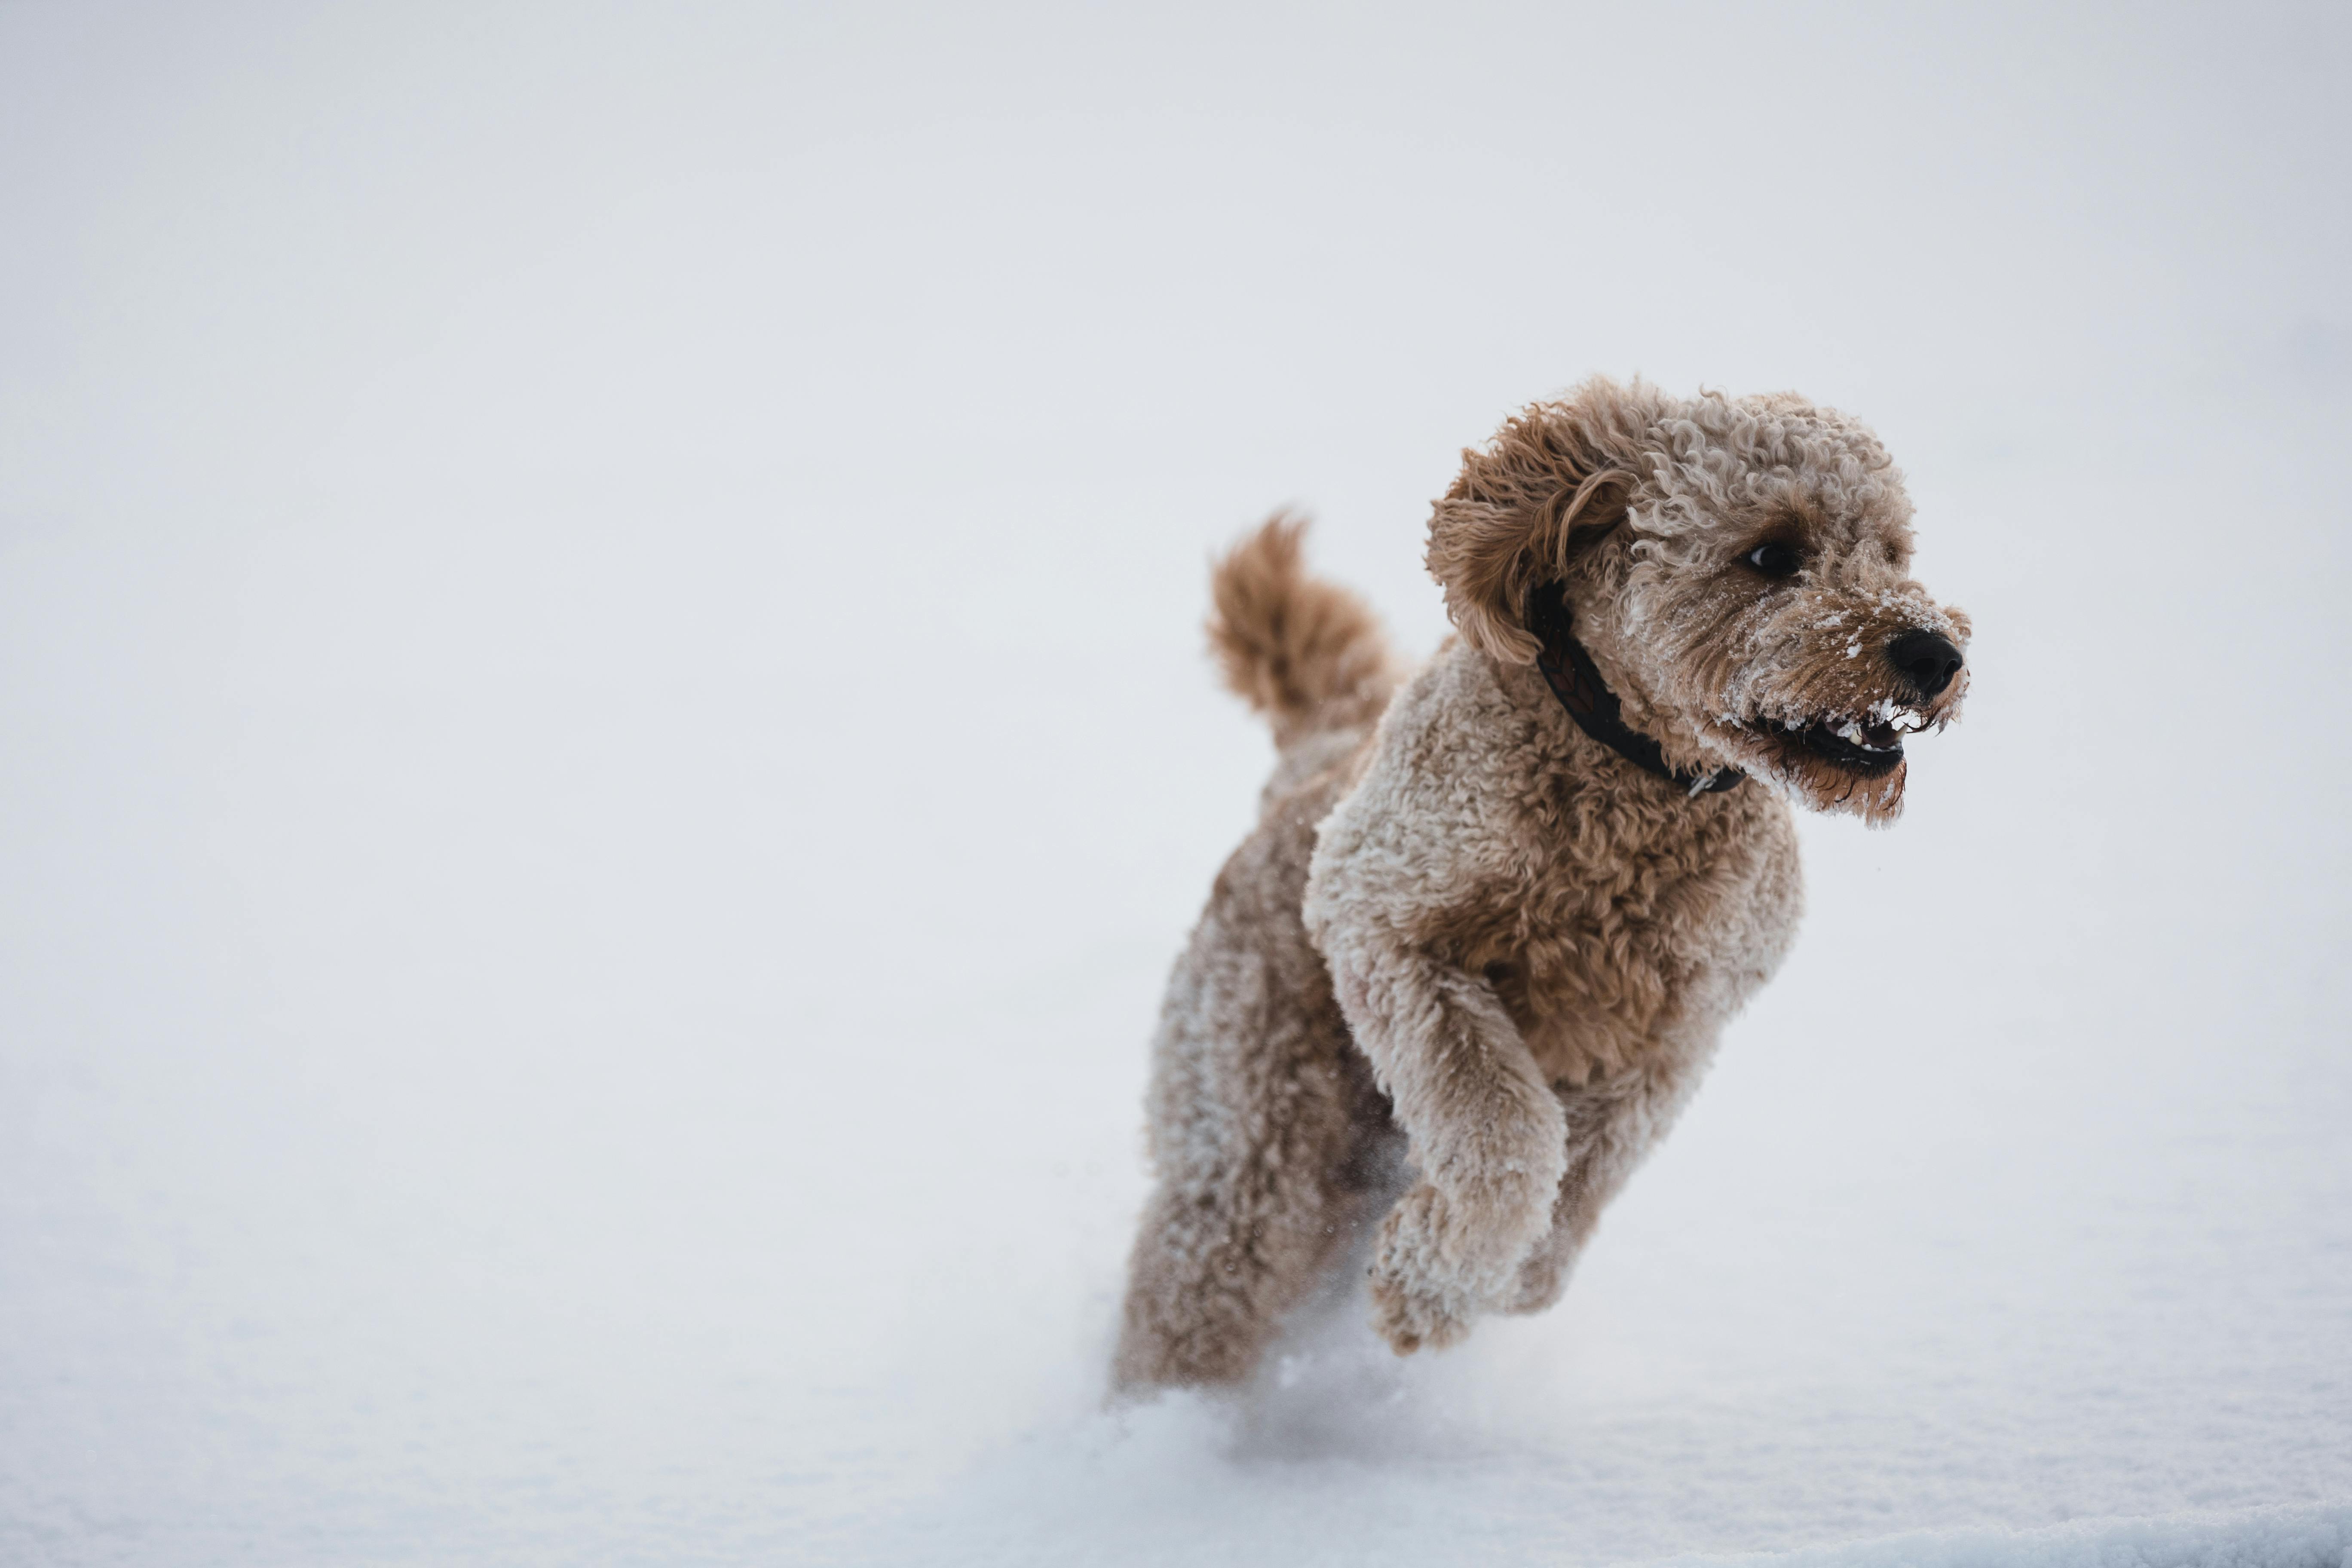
(1744, 586)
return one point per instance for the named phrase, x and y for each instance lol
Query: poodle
(1476, 953)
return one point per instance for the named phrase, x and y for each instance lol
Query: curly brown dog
(1477, 952)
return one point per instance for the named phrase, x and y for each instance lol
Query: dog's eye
(1775, 560)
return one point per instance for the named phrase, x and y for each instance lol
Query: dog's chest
(1629, 939)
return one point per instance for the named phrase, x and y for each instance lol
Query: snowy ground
(604, 747)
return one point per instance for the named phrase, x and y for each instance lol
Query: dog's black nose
(1927, 658)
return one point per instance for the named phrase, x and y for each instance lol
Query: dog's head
(1738, 569)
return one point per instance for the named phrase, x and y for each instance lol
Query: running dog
(1477, 952)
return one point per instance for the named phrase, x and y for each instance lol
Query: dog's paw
(1413, 1314)
(1421, 1299)
(1540, 1281)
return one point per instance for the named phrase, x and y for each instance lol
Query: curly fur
(1471, 963)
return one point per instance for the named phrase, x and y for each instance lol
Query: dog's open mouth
(1867, 745)
(1866, 748)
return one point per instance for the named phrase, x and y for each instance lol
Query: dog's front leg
(1487, 1133)
(1611, 1124)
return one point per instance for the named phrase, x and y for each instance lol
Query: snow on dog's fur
(1472, 962)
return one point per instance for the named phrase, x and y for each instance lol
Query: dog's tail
(1307, 654)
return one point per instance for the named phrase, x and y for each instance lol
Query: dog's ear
(1556, 477)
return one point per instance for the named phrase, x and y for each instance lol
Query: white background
(604, 746)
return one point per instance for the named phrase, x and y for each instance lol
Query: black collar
(1568, 670)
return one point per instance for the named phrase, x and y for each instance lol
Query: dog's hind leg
(1265, 1128)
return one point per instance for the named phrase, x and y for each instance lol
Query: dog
(1478, 950)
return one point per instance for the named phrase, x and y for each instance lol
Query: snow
(2276, 1538)
(606, 749)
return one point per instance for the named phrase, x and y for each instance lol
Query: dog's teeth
(1898, 716)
